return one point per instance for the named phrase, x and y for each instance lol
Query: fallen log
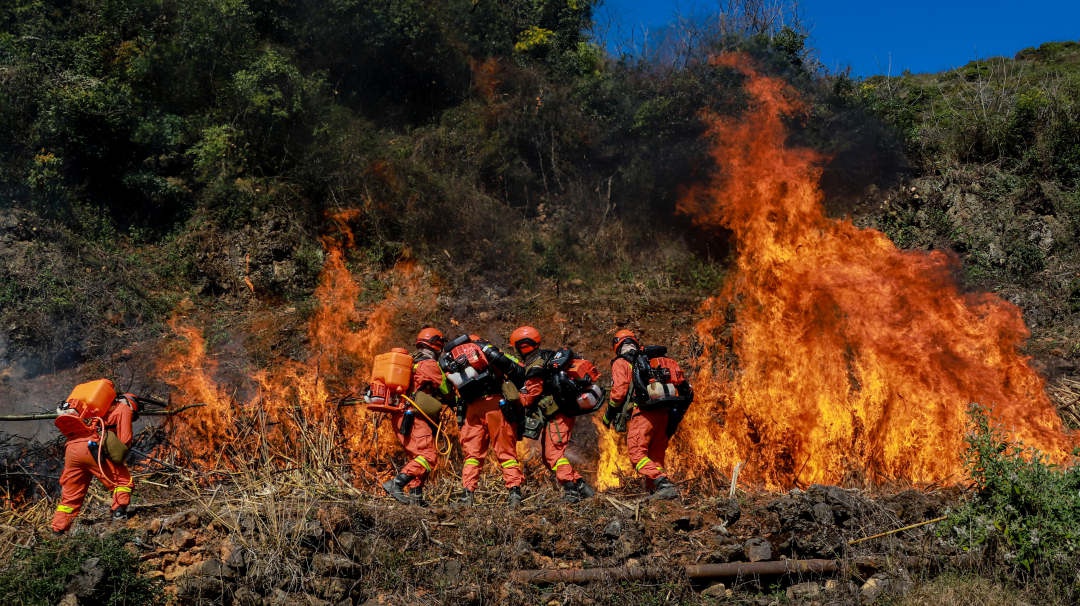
(770, 567)
(637, 572)
(696, 571)
(53, 415)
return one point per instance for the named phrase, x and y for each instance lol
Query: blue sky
(879, 38)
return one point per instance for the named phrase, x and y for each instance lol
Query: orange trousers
(79, 469)
(647, 442)
(419, 445)
(485, 427)
(556, 438)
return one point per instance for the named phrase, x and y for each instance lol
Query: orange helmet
(621, 337)
(430, 337)
(525, 339)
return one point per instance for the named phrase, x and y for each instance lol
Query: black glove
(614, 418)
(610, 412)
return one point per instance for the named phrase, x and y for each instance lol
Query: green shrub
(41, 575)
(1026, 512)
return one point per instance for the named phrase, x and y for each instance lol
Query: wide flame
(291, 412)
(831, 356)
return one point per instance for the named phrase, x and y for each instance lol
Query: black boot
(513, 501)
(665, 489)
(586, 491)
(416, 496)
(395, 487)
(571, 494)
(120, 513)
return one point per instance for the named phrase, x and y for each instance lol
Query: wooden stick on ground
(698, 571)
(888, 532)
(701, 571)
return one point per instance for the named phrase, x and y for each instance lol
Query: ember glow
(831, 356)
(294, 415)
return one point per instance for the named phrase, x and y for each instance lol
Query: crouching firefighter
(415, 415)
(97, 424)
(649, 396)
(559, 386)
(480, 374)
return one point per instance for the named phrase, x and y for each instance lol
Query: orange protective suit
(420, 443)
(557, 431)
(646, 431)
(80, 467)
(486, 428)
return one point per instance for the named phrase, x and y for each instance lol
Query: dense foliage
(1026, 513)
(997, 144)
(201, 145)
(45, 574)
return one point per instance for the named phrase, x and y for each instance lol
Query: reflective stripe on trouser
(420, 446)
(79, 469)
(647, 441)
(485, 428)
(556, 439)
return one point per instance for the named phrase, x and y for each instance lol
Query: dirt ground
(303, 537)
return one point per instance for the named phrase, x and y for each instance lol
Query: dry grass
(952, 590)
(1065, 393)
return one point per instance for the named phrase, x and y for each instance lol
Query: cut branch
(701, 571)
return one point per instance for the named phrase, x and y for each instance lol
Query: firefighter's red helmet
(621, 337)
(431, 338)
(525, 339)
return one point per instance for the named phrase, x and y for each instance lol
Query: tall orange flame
(294, 416)
(847, 359)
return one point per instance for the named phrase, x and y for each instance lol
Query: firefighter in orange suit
(647, 431)
(555, 437)
(418, 439)
(84, 459)
(485, 427)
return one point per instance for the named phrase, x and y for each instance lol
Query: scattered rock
(757, 549)
(717, 590)
(232, 553)
(728, 511)
(803, 591)
(183, 539)
(328, 564)
(84, 584)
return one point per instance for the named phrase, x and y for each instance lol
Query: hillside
(240, 204)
